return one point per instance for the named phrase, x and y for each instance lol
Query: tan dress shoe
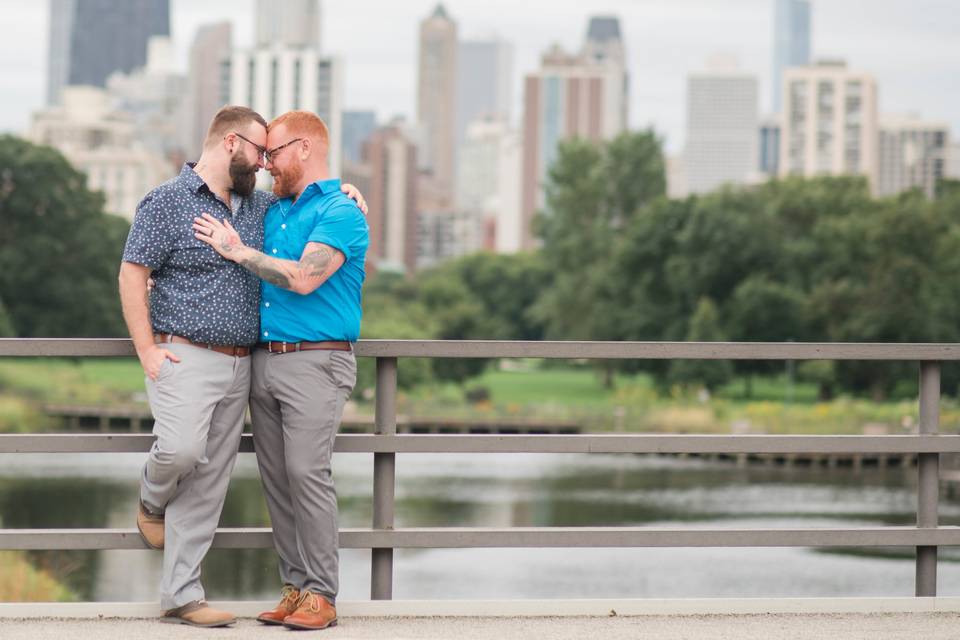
(198, 614)
(289, 601)
(314, 612)
(151, 528)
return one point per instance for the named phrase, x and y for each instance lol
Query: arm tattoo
(315, 263)
(260, 265)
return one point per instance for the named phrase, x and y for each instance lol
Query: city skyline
(380, 55)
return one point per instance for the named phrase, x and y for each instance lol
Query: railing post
(928, 477)
(384, 475)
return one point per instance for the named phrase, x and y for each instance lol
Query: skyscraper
(484, 80)
(829, 122)
(437, 95)
(292, 23)
(791, 42)
(721, 141)
(90, 39)
(206, 84)
(604, 47)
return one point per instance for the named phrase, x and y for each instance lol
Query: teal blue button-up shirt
(323, 214)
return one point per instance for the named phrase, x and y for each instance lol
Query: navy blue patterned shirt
(197, 294)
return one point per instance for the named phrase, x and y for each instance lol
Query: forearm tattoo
(315, 263)
(277, 272)
(261, 265)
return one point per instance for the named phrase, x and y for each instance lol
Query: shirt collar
(325, 187)
(190, 177)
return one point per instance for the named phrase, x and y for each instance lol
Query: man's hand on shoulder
(354, 194)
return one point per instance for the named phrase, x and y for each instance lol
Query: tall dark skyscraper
(90, 39)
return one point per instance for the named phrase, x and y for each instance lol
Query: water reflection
(100, 490)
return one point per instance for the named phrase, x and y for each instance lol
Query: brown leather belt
(230, 350)
(292, 347)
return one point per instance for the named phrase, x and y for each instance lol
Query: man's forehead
(257, 133)
(277, 134)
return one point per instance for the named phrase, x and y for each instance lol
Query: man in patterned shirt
(315, 242)
(193, 340)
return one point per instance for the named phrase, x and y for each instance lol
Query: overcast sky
(911, 46)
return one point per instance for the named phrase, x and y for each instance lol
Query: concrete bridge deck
(807, 618)
(894, 626)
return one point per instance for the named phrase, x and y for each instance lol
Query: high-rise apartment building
(104, 144)
(913, 154)
(571, 96)
(289, 23)
(391, 160)
(829, 122)
(722, 128)
(279, 79)
(791, 42)
(90, 39)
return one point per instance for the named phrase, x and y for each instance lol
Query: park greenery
(803, 260)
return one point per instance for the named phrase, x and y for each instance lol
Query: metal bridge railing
(382, 538)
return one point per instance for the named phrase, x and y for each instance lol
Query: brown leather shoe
(198, 614)
(151, 528)
(314, 612)
(289, 602)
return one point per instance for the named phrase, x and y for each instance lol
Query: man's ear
(307, 149)
(229, 143)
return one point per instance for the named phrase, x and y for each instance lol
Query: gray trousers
(296, 402)
(198, 406)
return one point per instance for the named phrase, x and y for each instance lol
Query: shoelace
(314, 604)
(291, 597)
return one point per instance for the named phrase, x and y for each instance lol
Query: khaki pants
(198, 405)
(296, 402)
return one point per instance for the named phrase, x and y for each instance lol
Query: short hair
(303, 123)
(229, 118)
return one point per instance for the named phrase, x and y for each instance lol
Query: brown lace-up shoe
(314, 612)
(290, 599)
(198, 614)
(151, 528)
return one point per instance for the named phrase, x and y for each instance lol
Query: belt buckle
(284, 347)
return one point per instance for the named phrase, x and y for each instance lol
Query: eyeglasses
(271, 154)
(261, 151)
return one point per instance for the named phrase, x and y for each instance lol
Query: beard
(243, 175)
(284, 182)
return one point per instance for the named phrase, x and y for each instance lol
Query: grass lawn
(522, 389)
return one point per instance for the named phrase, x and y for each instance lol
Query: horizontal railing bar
(113, 347)
(453, 538)
(596, 443)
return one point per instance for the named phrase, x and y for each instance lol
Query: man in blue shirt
(315, 243)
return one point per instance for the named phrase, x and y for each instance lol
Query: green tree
(59, 252)
(6, 324)
(704, 327)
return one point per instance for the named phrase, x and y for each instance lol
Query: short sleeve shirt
(323, 214)
(198, 294)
